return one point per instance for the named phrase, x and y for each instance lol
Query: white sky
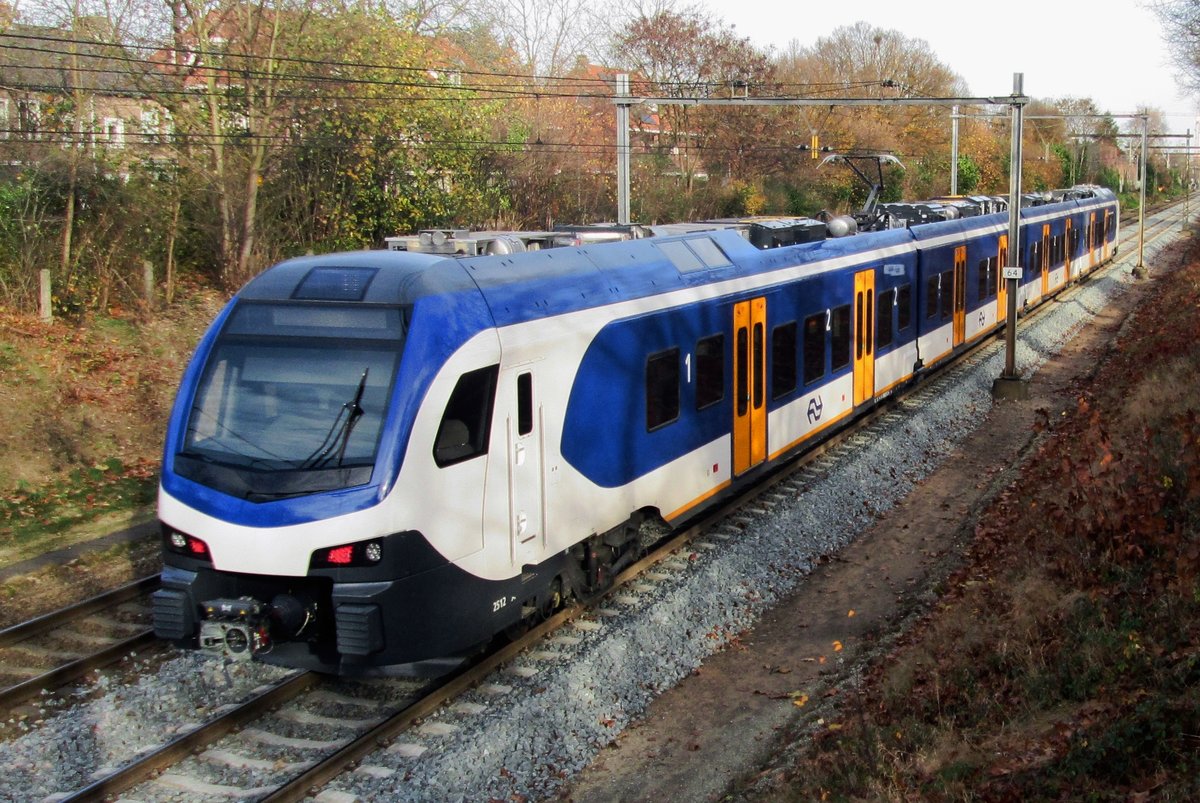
(1064, 48)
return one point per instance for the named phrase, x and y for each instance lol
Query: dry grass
(83, 408)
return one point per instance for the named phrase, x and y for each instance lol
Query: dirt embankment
(83, 408)
(77, 395)
(1025, 626)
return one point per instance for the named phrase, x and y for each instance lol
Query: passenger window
(759, 368)
(982, 288)
(903, 307)
(783, 360)
(946, 293)
(662, 389)
(931, 297)
(883, 318)
(814, 347)
(524, 404)
(467, 420)
(710, 371)
(840, 337)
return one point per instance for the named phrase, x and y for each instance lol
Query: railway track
(337, 725)
(63, 646)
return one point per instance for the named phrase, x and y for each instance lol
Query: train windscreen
(292, 399)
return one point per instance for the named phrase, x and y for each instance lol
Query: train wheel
(552, 601)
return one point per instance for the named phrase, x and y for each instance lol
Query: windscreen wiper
(338, 435)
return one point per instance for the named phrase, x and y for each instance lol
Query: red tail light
(357, 555)
(340, 555)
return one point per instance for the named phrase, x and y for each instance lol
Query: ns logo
(815, 408)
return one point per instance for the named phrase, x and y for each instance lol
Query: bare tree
(1181, 25)
(677, 55)
(228, 93)
(429, 17)
(547, 36)
(76, 69)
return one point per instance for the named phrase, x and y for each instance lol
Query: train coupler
(235, 628)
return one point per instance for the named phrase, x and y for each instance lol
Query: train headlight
(348, 556)
(187, 545)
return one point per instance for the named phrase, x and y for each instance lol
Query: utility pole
(1009, 384)
(1139, 270)
(954, 150)
(623, 104)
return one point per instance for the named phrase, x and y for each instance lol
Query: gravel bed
(104, 723)
(544, 717)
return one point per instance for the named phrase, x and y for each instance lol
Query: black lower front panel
(439, 613)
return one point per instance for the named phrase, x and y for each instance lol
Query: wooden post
(148, 282)
(45, 312)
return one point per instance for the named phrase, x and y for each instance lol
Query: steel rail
(64, 674)
(55, 619)
(179, 748)
(74, 669)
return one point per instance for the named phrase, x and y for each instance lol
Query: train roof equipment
(868, 218)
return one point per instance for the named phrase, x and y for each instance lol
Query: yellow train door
(1108, 226)
(864, 336)
(1002, 286)
(1067, 252)
(1091, 240)
(749, 378)
(960, 294)
(1045, 257)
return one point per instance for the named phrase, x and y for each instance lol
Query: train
(386, 458)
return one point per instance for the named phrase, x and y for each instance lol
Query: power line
(662, 87)
(289, 59)
(17, 137)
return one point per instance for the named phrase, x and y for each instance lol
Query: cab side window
(467, 420)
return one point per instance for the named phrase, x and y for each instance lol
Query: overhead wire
(151, 140)
(432, 90)
(645, 86)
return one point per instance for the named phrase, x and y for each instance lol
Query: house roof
(35, 58)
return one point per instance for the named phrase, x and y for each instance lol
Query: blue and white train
(388, 457)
